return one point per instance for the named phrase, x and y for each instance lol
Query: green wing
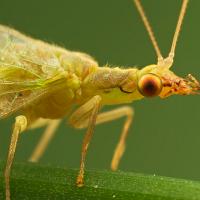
(28, 70)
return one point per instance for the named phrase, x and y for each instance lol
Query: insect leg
(91, 107)
(120, 148)
(48, 134)
(19, 126)
(105, 117)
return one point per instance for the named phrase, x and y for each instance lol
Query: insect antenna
(169, 60)
(177, 31)
(148, 28)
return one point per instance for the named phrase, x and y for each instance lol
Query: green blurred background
(165, 136)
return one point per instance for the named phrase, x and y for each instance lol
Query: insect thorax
(114, 85)
(57, 103)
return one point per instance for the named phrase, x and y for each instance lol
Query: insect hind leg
(19, 126)
(47, 136)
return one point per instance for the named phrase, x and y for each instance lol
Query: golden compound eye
(150, 85)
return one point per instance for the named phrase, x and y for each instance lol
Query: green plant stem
(32, 181)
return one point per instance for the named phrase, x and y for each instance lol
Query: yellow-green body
(85, 79)
(45, 81)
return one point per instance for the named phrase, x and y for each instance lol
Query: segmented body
(44, 80)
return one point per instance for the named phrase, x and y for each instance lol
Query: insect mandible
(41, 82)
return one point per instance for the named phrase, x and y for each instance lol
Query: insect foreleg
(110, 116)
(48, 134)
(91, 107)
(19, 126)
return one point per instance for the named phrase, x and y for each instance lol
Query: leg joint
(21, 121)
(129, 111)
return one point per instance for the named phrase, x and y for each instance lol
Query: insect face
(155, 80)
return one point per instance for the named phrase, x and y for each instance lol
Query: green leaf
(32, 181)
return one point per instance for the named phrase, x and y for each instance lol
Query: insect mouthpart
(186, 86)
